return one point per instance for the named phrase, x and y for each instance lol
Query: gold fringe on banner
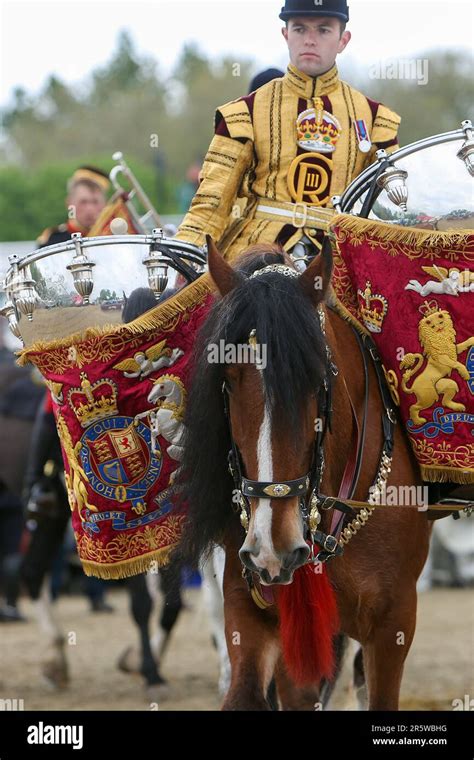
(155, 319)
(399, 234)
(128, 567)
(446, 474)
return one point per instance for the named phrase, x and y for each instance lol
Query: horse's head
(272, 402)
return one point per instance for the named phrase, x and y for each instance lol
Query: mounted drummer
(291, 145)
(86, 198)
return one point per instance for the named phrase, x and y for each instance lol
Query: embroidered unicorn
(166, 419)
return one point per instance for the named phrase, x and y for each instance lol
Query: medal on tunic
(362, 135)
(317, 130)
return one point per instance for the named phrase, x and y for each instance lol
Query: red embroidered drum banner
(119, 397)
(413, 292)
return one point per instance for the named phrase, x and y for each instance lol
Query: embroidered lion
(437, 337)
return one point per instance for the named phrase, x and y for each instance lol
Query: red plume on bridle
(309, 620)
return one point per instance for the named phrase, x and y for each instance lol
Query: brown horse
(368, 593)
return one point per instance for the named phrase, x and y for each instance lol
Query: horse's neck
(349, 386)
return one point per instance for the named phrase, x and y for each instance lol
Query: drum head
(116, 269)
(440, 191)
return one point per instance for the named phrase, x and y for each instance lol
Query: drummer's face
(313, 43)
(87, 203)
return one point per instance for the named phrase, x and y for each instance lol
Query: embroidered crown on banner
(428, 307)
(93, 401)
(373, 308)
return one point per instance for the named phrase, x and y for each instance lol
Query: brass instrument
(133, 196)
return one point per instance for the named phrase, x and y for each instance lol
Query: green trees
(163, 124)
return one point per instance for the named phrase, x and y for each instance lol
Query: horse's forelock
(261, 255)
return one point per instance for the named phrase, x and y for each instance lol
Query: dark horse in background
(368, 593)
(19, 399)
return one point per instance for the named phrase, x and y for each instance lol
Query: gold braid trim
(399, 234)
(155, 319)
(236, 115)
(348, 104)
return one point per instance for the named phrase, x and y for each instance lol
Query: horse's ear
(225, 277)
(316, 278)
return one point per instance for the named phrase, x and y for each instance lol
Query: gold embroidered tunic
(258, 183)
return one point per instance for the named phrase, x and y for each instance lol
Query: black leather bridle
(307, 487)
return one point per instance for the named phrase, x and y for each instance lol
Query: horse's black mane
(287, 323)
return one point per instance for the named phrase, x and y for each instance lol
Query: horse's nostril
(296, 558)
(246, 559)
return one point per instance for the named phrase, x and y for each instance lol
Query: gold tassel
(155, 319)
(399, 234)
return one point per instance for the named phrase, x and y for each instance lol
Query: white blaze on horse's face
(260, 528)
(258, 550)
